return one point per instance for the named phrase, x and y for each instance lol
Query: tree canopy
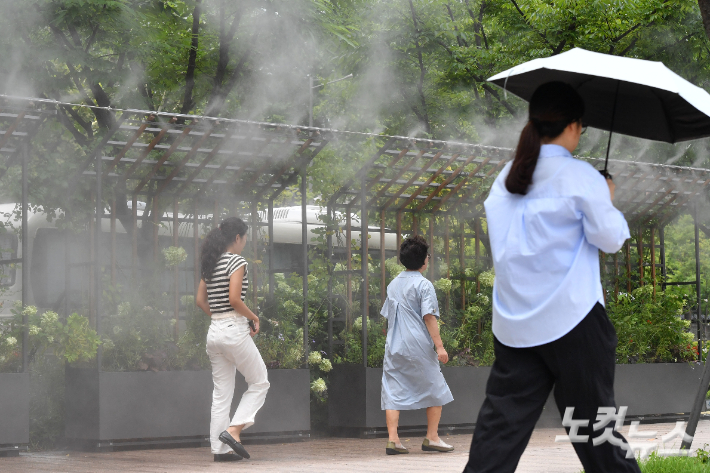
(420, 66)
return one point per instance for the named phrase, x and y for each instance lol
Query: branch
(64, 120)
(74, 34)
(62, 37)
(216, 102)
(478, 23)
(496, 95)
(462, 42)
(629, 47)
(91, 39)
(82, 123)
(479, 79)
(413, 106)
(527, 22)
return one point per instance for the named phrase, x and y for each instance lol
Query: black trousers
(580, 366)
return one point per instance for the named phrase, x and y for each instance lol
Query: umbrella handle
(606, 174)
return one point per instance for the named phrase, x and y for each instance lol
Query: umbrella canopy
(634, 97)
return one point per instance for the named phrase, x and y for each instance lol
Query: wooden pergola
(424, 186)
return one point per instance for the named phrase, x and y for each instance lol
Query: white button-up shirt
(545, 248)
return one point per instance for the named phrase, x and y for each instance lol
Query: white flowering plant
(72, 340)
(174, 256)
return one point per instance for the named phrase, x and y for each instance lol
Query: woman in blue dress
(412, 378)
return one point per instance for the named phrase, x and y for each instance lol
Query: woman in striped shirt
(229, 340)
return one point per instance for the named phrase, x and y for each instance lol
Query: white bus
(59, 262)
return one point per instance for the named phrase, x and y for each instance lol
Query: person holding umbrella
(548, 216)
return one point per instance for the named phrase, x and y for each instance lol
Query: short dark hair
(413, 252)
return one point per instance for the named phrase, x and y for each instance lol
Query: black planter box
(647, 389)
(105, 410)
(14, 412)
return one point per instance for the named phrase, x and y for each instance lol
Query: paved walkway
(319, 455)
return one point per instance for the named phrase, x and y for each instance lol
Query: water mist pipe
(611, 129)
(25, 250)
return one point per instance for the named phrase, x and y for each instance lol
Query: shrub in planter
(52, 344)
(650, 329)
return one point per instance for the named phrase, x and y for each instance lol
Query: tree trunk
(705, 13)
(422, 72)
(188, 102)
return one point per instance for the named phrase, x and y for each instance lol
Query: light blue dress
(411, 378)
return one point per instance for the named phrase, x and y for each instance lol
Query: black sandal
(226, 437)
(226, 457)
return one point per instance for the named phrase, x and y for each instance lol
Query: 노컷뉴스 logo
(605, 415)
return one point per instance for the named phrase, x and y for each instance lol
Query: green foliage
(191, 347)
(660, 464)
(650, 329)
(376, 338)
(78, 340)
(138, 337)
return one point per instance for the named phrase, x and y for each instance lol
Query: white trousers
(231, 349)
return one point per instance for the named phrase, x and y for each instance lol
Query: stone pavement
(319, 455)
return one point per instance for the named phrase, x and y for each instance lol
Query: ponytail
(553, 106)
(216, 243)
(526, 154)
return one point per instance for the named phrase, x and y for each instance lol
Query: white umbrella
(623, 95)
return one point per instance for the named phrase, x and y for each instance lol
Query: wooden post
(628, 266)
(113, 240)
(176, 271)
(431, 247)
(602, 267)
(348, 258)
(196, 243)
(399, 233)
(616, 275)
(383, 269)
(462, 263)
(477, 225)
(134, 240)
(216, 214)
(640, 251)
(272, 276)
(156, 230)
(662, 245)
(653, 260)
(92, 268)
(255, 256)
(447, 301)
(365, 304)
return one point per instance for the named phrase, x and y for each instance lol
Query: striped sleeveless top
(218, 285)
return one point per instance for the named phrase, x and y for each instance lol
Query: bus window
(8, 250)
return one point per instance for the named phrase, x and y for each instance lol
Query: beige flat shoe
(440, 446)
(393, 449)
